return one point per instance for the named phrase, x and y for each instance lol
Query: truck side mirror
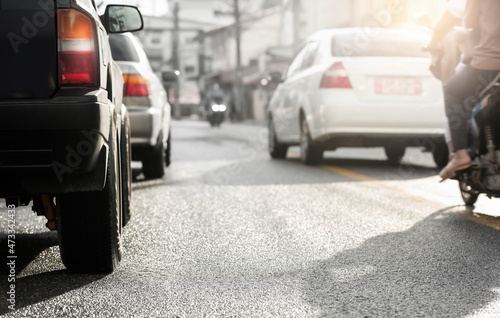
(122, 18)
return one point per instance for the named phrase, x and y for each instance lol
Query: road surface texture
(229, 232)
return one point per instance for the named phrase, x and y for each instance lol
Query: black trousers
(461, 94)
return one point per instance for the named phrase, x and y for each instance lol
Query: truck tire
(152, 163)
(89, 223)
(125, 158)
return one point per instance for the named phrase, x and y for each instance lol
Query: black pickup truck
(64, 132)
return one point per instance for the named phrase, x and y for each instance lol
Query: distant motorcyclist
(215, 95)
(482, 63)
(214, 105)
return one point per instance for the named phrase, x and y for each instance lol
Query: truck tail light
(336, 77)
(135, 85)
(76, 49)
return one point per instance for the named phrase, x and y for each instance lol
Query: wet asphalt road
(228, 232)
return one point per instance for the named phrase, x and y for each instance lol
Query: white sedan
(359, 88)
(146, 101)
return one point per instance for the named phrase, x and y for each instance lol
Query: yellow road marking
(349, 173)
(465, 213)
(361, 177)
(478, 218)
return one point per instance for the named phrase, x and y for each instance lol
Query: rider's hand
(432, 48)
(436, 58)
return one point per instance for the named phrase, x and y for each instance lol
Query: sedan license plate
(398, 86)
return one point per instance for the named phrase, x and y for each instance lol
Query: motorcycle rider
(482, 63)
(214, 95)
(445, 60)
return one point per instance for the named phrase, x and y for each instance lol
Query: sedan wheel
(152, 163)
(394, 154)
(168, 151)
(276, 149)
(440, 155)
(310, 153)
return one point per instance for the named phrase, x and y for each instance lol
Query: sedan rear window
(122, 48)
(382, 44)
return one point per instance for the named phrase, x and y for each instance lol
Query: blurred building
(260, 33)
(157, 37)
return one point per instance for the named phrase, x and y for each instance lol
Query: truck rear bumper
(52, 147)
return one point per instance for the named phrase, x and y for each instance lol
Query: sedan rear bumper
(340, 113)
(145, 126)
(429, 140)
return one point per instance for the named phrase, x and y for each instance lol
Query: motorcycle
(216, 112)
(484, 148)
(483, 177)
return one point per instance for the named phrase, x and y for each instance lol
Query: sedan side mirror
(170, 76)
(122, 18)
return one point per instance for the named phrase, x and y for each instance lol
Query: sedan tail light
(135, 85)
(336, 77)
(76, 49)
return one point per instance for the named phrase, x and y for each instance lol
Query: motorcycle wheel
(469, 196)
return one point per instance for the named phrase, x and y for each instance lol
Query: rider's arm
(444, 25)
(455, 12)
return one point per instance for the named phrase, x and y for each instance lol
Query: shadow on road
(139, 182)
(451, 272)
(32, 289)
(27, 247)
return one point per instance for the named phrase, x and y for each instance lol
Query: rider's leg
(461, 93)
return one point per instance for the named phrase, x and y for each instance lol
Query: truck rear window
(122, 48)
(28, 48)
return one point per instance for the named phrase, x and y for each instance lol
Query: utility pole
(239, 72)
(296, 22)
(175, 59)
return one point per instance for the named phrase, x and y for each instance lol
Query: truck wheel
(152, 163)
(126, 168)
(89, 223)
